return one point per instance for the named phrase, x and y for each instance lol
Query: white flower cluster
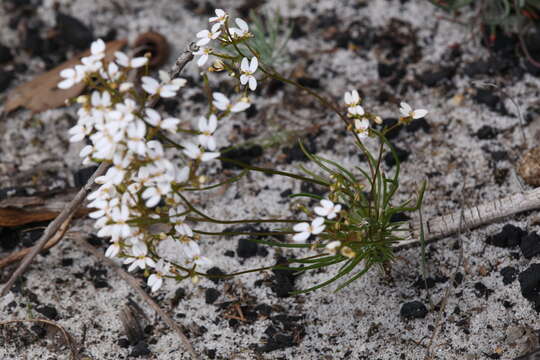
(221, 32)
(361, 121)
(304, 230)
(142, 183)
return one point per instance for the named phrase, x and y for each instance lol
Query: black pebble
(39, 330)
(387, 69)
(530, 245)
(229, 253)
(482, 290)
(276, 342)
(5, 79)
(509, 274)
(5, 54)
(433, 78)
(215, 271)
(244, 154)
(29, 237)
(211, 295)
(400, 216)
(82, 176)
(413, 309)
(402, 156)
(489, 98)
(418, 124)
(246, 248)
(309, 82)
(264, 309)
(140, 349)
(48, 311)
(67, 261)
(529, 280)
(283, 280)
(73, 31)
(486, 132)
(123, 343)
(510, 236)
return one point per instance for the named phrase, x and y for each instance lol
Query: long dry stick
(442, 226)
(134, 283)
(53, 227)
(68, 212)
(67, 337)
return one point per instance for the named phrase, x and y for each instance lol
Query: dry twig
(442, 226)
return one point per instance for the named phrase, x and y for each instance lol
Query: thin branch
(134, 283)
(54, 226)
(442, 226)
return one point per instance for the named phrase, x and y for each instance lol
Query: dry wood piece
(42, 92)
(529, 167)
(21, 210)
(442, 226)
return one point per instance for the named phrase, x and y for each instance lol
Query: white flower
(305, 229)
(113, 249)
(156, 280)
(247, 70)
(153, 194)
(97, 48)
(123, 60)
(195, 152)
(193, 253)
(357, 110)
(205, 35)
(332, 246)
(139, 258)
(224, 104)
(207, 128)
(242, 29)
(92, 63)
(327, 209)
(361, 126)
(204, 53)
(176, 82)
(136, 131)
(220, 17)
(71, 76)
(154, 119)
(179, 222)
(352, 98)
(153, 87)
(125, 86)
(407, 111)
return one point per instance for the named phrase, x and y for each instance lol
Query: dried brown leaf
(42, 93)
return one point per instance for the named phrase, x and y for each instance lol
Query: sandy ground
(363, 320)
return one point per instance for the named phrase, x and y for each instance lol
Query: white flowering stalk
(142, 185)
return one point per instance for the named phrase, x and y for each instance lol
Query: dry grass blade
(70, 342)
